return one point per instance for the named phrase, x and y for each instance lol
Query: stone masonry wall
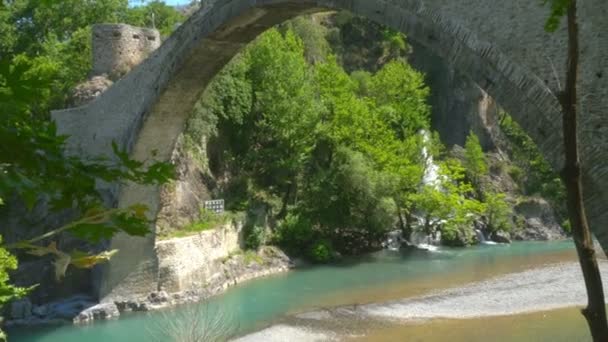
(191, 262)
(117, 48)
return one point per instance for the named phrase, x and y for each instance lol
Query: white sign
(217, 206)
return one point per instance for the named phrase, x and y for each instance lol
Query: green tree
(475, 160)
(537, 175)
(312, 34)
(400, 95)
(285, 111)
(498, 212)
(155, 14)
(464, 209)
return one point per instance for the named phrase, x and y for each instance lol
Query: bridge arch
(500, 46)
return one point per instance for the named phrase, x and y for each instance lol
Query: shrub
(255, 237)
(294, 233)
(566, 226)
(321, 252)
(497, 212)
(517, 174)
(457, 236)
(475, 160)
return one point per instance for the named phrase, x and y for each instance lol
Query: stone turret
(117, 48)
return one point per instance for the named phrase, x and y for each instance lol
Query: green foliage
(340, 155)
(475, 160)
(401, 96)
(321, 252)
(449, 206)
(357, 209)
(207, 220)
(295, 233)
(8, 292)
(497, 212)
(302, 129)
(567, 226)
(365, 45)
(558, 10)
(255, 236)
(155, 14)
(316, 47)
(39, 63)
(536, 176)
(54, 38)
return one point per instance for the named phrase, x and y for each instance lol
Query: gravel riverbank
(540, 289)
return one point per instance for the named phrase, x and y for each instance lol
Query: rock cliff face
(458, 104)
(182, 199)
(538, 221)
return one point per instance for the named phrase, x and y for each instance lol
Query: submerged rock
(97, 312)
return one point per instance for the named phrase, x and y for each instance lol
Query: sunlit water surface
(381, 276)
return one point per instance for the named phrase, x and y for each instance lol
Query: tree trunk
(595, 312)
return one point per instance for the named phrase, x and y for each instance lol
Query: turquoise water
(257, 303)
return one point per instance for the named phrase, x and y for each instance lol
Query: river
(384, 276)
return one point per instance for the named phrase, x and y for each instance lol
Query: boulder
(537, 221)
(97, 312)
(41, 310)
(69, 308)
(500, 236)
(21, 309)
(158, 298)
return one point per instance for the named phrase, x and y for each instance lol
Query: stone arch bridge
(500, 45)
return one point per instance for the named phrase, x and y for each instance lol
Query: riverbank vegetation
(327, 135)
(337, 159)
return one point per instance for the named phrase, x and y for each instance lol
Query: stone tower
(117, 48)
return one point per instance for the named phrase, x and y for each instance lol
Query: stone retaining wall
(193, 261)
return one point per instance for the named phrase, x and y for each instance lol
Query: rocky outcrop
(458, 105)
(60, 311)
(500, 237)
(537, 221)
(182, 199)
(21, 309)
(98, 312)
(89, 90)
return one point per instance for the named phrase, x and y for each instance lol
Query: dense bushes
(537, 177)
(300, 130)
(339, 155)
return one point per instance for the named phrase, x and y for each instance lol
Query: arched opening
(147, 110)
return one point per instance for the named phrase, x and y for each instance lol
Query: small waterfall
(431, 170)
(423, 241)
(482, 238)
(394, 240)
